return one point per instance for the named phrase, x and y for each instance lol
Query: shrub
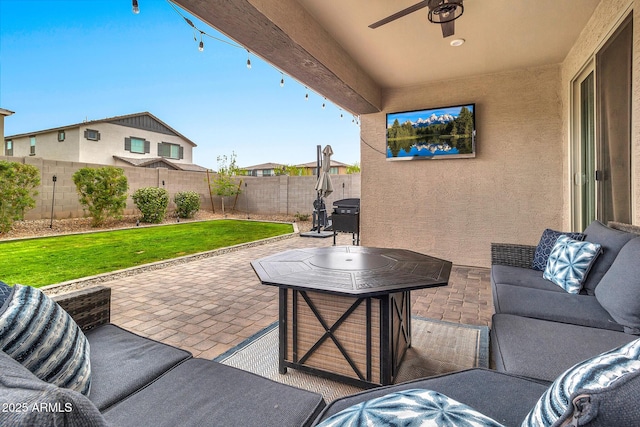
(152, 202)
(187, 203)
(103, 191)
(301, 217)
(17, 184)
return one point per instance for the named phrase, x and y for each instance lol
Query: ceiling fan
(443, 12)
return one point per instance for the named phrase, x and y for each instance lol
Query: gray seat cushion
(584, 310)
(519, 276)
(203, 393)
(619, 289)
(505, 398)
(123, 362)
(28, 401)
(542, 349)
(611, 241)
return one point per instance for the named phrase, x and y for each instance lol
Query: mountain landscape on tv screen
(427, 134)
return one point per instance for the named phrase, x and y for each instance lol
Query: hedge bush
(187, 203)
(103, 192)
(17, 191)
(152, 202)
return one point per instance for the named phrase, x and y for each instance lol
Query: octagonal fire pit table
(345, 311)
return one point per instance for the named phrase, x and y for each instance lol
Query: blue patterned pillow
(5, 291)
(570, 262)
(38, 333)
(423, 408)
(604, 387)
(547, 242)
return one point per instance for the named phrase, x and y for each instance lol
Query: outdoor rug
(437, 347)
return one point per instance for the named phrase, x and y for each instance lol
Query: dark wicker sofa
(136, 381)
(539, 330)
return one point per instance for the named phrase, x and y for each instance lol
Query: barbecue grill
(346, 218)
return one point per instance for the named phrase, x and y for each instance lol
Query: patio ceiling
(328, 46)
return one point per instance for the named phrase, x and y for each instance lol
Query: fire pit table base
(359, 341)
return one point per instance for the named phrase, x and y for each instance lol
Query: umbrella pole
(318, 165)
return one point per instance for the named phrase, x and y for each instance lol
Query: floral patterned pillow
(414, 407)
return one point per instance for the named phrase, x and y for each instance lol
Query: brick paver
(210, 305)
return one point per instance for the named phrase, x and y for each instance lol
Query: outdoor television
(434, 133)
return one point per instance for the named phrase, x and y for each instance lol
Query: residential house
(543, 75)
(3, 113)
(139, 139)
(335, 168)
(263, 169)
(311, 168)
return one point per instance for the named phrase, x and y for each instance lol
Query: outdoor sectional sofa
(539, 330)
(136, 381)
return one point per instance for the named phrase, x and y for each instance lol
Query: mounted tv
(434, 133)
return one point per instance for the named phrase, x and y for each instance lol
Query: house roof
(144, 120)
(171, 165)
(6, 112)
(314, 164)
(328, 45)
(264, 166)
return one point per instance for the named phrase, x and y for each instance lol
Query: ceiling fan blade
(400, 14)
(448, 28)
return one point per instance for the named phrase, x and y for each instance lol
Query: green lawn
(40, 262)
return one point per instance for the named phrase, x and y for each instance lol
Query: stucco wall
(265, 195)
(455, 208)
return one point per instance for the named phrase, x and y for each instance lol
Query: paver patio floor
(210, 305)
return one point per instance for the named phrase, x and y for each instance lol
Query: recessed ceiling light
(457, 42)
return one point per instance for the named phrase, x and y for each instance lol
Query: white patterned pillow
(38, 333)
(570, 262)
(596, 384)
(414, 407)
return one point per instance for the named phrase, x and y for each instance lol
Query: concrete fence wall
(282, 195)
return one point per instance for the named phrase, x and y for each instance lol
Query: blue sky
(64, 61)
(413, 116)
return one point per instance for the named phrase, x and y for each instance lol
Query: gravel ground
(44, 227)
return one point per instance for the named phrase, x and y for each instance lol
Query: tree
(224, 185)
(17, 191)
(103, 191)
(354, 168)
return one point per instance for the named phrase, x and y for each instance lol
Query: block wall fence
(282, 195)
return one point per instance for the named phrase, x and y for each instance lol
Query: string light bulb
(248, 60)
(201, 44)
(306, 95)
(324, 103)
(134, 7)
(282, 80)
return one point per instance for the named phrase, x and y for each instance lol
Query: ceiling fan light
(445, 11)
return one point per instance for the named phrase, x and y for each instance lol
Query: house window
(92, 135)
(60, 135)
(333, 171)
(32, 149)
(172, 151)
(8, 149)
(137, 145)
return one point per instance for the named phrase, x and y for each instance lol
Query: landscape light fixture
(53, 199)
(134, 7)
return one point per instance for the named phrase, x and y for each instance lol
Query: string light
(203, 33)
(134, 7)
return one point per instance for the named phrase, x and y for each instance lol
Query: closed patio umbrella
(324, 186)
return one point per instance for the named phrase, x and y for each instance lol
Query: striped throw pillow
(38, 333)
(597, 384)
